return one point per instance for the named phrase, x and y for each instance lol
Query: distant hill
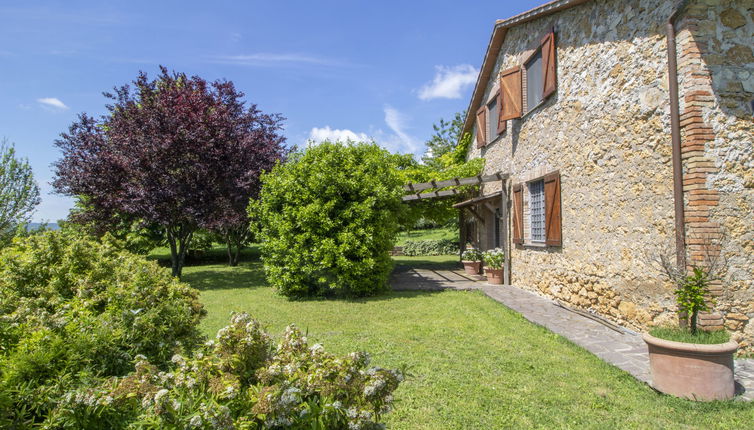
(36, 225)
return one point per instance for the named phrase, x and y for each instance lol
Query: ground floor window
(537, 210)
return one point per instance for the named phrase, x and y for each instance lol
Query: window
(489, 122)
(544, 215)
(493, 113)
(534, 85)
(537, 210)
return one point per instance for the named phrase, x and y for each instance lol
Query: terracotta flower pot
(690, 370)
(494, 276)
(472, 267)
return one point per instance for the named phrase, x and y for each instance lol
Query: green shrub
(327, 219)
(239, 382)
(72, 308)
(430, 247)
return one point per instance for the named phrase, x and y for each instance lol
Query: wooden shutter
(553, 231)
(549, 78)
(502, 124)
(510, 89)
(518, 213)
(481, 127)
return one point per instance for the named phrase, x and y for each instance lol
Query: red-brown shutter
(549, 74)
(501, 123)
(518, 213)
(481, 127)
(553, 230)
(510, 88)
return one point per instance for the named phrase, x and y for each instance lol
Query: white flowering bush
(73, 309)
(471, 254)
(494, 258)
(238, 381)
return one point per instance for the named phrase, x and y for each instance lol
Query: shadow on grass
(216, 255)
(246, 275)
(442, 262)
(215, 277)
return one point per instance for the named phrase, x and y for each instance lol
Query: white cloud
(449, 82)
(396, 139)
(52, 102)
(317, 135)
(402, 141)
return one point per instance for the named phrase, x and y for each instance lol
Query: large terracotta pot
(690, 370)
(472, 267)
(494, 276)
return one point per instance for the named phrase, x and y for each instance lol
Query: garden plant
(73, 309)
(175, 152)
(327, 219)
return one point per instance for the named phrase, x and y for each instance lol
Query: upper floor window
(516, 97)
(534, 75)
(493, 112)
(524, 88)
(489, 122)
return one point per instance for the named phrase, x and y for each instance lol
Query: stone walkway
(616, 345)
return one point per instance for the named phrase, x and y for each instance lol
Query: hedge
(430, 247)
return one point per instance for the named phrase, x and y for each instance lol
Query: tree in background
(19, 193)
(327, 219)
(445, 158)
(444, 141)
(175, 152)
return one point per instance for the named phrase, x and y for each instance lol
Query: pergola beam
(473, 180)
(431, 195)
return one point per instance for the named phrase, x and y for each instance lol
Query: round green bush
(72, 308)
(327, 219)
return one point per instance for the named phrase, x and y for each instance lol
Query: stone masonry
(607, 131)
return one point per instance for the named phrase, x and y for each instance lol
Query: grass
(427, 234)
(216, 254)
(678, 334)
(473, 363)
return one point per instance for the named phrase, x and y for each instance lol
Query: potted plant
(686, 361)
(493, 265)
(472, 260)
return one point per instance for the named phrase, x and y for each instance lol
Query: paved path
(616, 345)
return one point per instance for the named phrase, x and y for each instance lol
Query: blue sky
(385, 70)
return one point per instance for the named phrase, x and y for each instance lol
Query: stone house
(623, 127)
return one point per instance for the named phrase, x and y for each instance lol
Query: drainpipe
(675, 132)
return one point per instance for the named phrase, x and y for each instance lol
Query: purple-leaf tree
(177, 152)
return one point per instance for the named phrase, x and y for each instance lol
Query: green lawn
(474, 363)
(427, 234)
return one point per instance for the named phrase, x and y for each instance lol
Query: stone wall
(716, 68)
(607, 130)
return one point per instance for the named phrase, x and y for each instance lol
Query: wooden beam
(461, 235)
(506, 222)
(473, 180)
(477, 200)
(430, 195)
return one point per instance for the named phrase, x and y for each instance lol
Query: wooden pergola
(448, 188)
